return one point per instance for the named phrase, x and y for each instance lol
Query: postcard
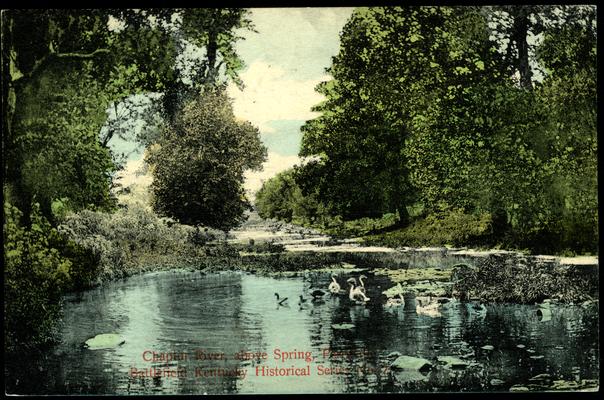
(300, 200)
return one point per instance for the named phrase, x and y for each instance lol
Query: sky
(284, 60)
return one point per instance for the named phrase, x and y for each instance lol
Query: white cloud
(271, 95)
(300, 40)
(273, 165)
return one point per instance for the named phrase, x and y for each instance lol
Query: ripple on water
(231, 312)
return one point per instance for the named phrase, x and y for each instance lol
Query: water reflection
(236, 338)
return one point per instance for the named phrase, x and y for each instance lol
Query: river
(188, 332)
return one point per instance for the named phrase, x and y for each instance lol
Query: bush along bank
(518, 279)
(40, 265)
(90, 247)
(281, 198)
(134, 240)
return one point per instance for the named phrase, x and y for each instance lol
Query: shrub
(36, 275)
(502, 278)
(122, 239)
(453, 228)
(359, 227)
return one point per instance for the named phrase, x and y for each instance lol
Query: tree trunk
(519, 35)
(403, 215)
(212, 50)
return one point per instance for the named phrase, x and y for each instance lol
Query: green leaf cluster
(198, 165)
(40, 265)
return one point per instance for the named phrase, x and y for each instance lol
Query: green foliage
(422, 109)
(60, 208)
(568, 96)
(39, 266)
(222, 27)
(61, 70)
(281, 198)
(452, 228)
(65, 67)
(358, 227)
(198, 164)
(124, 240)
(58, 127)
(396, 67)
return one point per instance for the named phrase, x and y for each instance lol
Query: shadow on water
(226, 333)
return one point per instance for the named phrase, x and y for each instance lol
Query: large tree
(61, 69)
(425, 105)
(518, 28)
(396, 67)
(199, 162)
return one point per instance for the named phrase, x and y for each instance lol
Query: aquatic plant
(510, 278)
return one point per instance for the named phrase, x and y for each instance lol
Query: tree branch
(82, 56)
(53, 56)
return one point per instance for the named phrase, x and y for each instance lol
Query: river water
(222, 329)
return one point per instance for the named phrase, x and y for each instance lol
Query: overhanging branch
(82, 56)
(38, 66)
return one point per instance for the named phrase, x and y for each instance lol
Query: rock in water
(342, 326)
(487, 347)
(519, 388)
(453, 362)
(104, 341)
(541, 378)
(403, 376)
(411, 363)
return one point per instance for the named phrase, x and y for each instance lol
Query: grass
(452, 229)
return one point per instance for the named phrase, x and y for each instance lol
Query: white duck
(362, 287)
(431, 308)
(395, 302)
(355, 294)
(334, 286)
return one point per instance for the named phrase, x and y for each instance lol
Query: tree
(280, 197)
(35, 277)
(61, 70)
(60, 151)
(424, 106)
(517, 27)
(49, 56)
(199, 162)
(568, 96)
(212, 30)
(396, 67)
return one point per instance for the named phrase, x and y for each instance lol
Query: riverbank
(487, 275)
(136, 242)
(267, 247)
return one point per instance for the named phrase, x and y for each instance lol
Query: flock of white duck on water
(426, 305)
